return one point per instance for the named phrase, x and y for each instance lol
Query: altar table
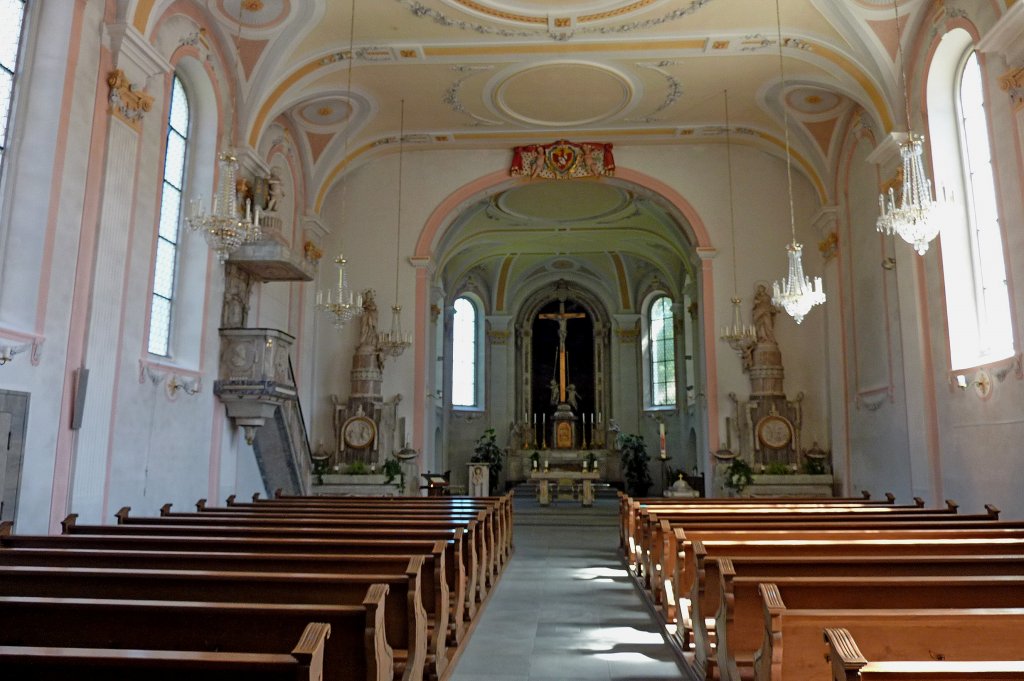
(545, 478)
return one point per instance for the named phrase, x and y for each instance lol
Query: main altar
(563, 353)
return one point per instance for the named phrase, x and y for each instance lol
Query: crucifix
(562, 317)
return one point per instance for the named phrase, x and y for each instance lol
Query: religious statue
(275, 191)
(764, 315)
(553, 385)
(368, 321)
(571, 396)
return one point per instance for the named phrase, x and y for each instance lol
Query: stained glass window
(165, 269)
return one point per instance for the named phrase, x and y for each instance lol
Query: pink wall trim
(79, 324)
(930, 398)
(448, 209)
(711, 355)
(420, 390)
(50, 236)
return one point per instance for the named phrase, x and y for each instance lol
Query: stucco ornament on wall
(127, 101)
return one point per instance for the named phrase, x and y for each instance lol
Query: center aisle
(565, 609)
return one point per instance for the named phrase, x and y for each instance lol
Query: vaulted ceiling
(496, 73)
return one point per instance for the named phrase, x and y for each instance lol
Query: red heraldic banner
(563, 160)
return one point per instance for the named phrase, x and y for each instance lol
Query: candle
(599, 419)
(534, 418)
(341, 274)
(535, 463)
(661, 436)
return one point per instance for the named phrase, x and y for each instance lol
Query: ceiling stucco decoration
(451, 95)
(579, 16)
(812, 101)
(564, 93)
(673, 89)
(552, 201)
(257, 14)
(325, 113)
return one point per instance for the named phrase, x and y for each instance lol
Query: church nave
(565, 608)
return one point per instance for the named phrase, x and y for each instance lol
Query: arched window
(661, 352)
(165, 271)
(12, 18)
(466, 346)
(973, 261)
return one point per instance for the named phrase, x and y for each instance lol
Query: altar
(544, 479)
(520, 462)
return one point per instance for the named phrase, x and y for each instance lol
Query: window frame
(15, 74)
(968, 343)
(479, 349)
(168, 340)
(651, 358)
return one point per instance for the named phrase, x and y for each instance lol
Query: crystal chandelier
(795, 294)
(224, 228)
(739, 336)
(916, 217)
(394, 342)
(340, 302)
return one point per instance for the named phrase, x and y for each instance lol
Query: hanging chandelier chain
(903, 65)
(785, 126)
(398, 229)
(732, 205)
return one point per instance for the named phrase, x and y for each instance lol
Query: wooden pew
(502, 506)
(660, 560)
(629, 507)
(705, 602)
(925, 644)
(435, 599)
(488, 534)
(641, 520)
(685, 567)
(446, 553)
(274, 533)
(404, 620)
(741, 630)
(355, 651)
(304, 662)
(480, 548)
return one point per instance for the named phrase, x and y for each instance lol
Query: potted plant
(633, 451)
(738, 475)
(393, 469)
(487, 451)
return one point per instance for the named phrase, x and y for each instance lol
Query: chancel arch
(579, 258)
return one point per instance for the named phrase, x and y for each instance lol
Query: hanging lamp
(795, 294)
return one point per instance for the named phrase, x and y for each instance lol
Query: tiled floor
(565, 608)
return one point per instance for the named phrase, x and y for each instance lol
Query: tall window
(465, 329)
(165, 271)
(661, 342)
(992, 301)
(12, 16)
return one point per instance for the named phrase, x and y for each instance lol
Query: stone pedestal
(766, 373)
(367, 373)
(564, 427)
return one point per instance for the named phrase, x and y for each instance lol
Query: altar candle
(534, 418)
(599, 419)
(661, 435)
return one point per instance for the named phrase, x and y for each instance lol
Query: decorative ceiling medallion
(254, 13)
(562, 94)
(325, 112)
(564, 201)
(813, 101)
(530, 18)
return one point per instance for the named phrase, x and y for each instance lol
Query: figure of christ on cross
(562, 317)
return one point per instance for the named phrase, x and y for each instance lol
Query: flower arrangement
(738, 475)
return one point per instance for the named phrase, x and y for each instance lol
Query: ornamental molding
(1012, 83)
(498, 337)
(563, 160)
(560, 27)
(628, 335)
(127, 101)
